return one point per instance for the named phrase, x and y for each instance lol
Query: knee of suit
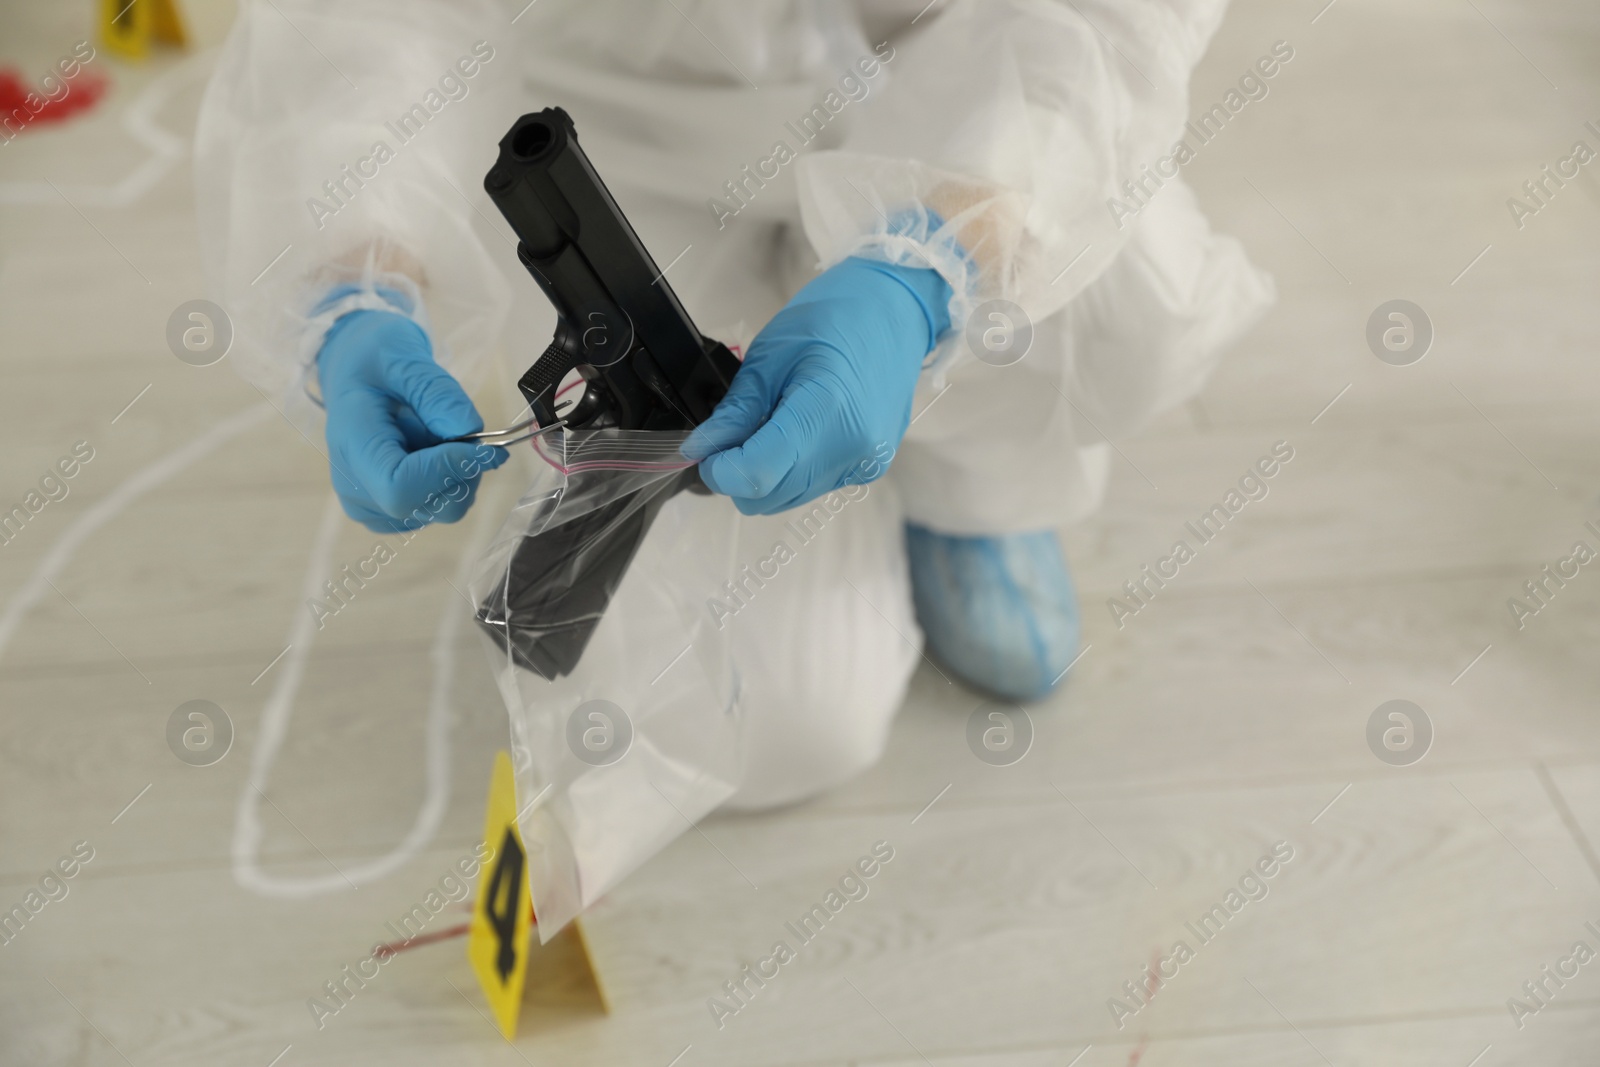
(824, 653)
(816, 734)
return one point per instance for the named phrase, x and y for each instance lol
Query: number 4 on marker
(500, 903)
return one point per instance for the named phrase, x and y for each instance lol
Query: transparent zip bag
(625, 722)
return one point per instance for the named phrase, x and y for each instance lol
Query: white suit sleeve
(1004, 131)
(339, 157)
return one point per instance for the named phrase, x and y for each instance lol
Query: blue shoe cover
(1000, 612)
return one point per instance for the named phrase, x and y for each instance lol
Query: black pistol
(625, 340)
(619, 324)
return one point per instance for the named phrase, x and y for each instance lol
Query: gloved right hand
(389, 408)
(825, 387)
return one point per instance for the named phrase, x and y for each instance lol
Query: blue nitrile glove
(824, 395)
(389, 405)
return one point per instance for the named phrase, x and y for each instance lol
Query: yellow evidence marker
(128, 26)
(499, 940)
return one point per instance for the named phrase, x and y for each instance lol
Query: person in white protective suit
(926, 159)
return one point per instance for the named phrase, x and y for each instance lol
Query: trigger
(538, 383)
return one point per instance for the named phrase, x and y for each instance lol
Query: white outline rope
(104, 510)
(280, 704)
(247, 831)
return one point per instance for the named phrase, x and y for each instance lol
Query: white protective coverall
(357, 134)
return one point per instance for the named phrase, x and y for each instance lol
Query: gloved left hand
(391, 409)
(825, 386)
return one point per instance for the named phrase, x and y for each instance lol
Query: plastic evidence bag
(625, 722)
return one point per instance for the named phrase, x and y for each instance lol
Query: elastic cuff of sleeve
(394, 293)
(388, 297)
(916, 236)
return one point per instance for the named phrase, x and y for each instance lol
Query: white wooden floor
(1226, 717)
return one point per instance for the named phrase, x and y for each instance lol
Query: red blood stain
(22, 105)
